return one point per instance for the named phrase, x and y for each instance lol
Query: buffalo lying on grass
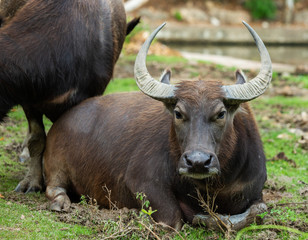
(170, 143)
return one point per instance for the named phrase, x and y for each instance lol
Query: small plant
(262, 215)
(283, 215)
(145, 204)
(83, 200)
(261, 9)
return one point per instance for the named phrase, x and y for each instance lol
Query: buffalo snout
(198, 164)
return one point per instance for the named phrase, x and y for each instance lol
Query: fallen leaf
(282, 156)
(1, 196)
(22, 217)
(284, 136)
(2, 138)
(64, 229)
(304, 191)
(303, 142)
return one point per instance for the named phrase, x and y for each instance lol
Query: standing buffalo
(54, 54)
(166, 143)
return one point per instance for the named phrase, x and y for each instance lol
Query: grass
(281, 168)
(301, 80)
(17, 221)
(21, 218)
(281, 102)
(122, 85)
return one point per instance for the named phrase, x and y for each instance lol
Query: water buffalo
(167, 143)
(54, 54)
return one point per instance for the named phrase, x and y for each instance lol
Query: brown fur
(54, 54)
(8, 9)
(132, 143)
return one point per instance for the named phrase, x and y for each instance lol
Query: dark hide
(54, 54)
(130, 143)
(8, 9)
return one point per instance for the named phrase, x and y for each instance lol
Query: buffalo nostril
(188, 162)
(208, 161)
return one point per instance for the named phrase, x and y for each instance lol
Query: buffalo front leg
(36, 140)
(234, 222)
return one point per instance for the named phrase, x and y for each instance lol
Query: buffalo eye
(178, 115)
(221, 115)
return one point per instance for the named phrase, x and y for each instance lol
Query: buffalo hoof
(61, 203)
(60, 200)
(29, 184)
(234, 222)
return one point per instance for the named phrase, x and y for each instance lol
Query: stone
(192, 15)
(301, 17)
(226, 16)
(153, 15)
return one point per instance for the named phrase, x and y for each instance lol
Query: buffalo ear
(166, 76)
(132, 24)
(240, 77)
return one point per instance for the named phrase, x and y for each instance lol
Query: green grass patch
(121, 85)
(280, 102)
(17, 221)
(301, 80)
(274, 145)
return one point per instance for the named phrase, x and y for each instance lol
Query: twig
(119, 234)
(111, 204)
(153, 233)
(208, 209)
(173, 229)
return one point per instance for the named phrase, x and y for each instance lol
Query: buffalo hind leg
(59, 199)
(33, 181)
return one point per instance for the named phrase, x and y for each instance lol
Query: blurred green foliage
(178, 16)
(261, 9)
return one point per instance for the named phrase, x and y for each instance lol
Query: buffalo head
(203, 111)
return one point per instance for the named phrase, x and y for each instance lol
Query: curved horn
(254, 88)
(146, 83)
